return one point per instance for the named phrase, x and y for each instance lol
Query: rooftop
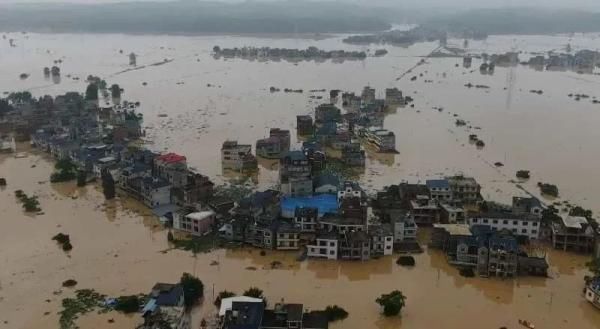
(227, 303)
(455, 229)
(171, 158)
(437, 183)
(201, 215)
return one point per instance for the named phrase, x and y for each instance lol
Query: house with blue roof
(439, 189)
(165, 308)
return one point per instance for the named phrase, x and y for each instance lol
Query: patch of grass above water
(85, 301)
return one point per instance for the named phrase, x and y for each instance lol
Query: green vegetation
(69, 283)
(406, 261)
(594, 266)
(20, 97)
(335, 313)
(108, 185)
(392, 303)
(128, 304)
(523, 174)
(5, 107)
(30, 204)
(196, 245)
(91, 92)
(548, 189)
(2, 182)
(66, 170)
(254, 293)
(579, 211)
(81, 178)
(86, 300)
(222, 295)
(64, 240)
(193, 289)
(115, 91)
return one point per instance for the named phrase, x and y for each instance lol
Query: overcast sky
(576, 4)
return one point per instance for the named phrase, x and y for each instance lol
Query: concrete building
(383, 140)
(307, 219)
(355, 245)
(368, 95)
(326, 183)
(238, 157)
(304, 125)
(195, 223)
(592, 292)
(465, 189)
(405, 228)
(573, 233)
(287, 236)
(424, 210)
(439, 189)
(295, 174)
(349, 190)
(353, 155)
(527, 205)
(518, 224)
(393, 97)
(382, 240)
(165, 308)
(275, 145)
(172, 167)
(452, 214)
(324, 246)
(155, 192)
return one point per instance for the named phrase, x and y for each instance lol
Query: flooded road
(118, 246)
(118, 249)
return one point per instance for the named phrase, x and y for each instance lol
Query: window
(515, 222)
(474, 220)
(514, 230)
(388, 247)
(534, 224)
(524, 230)
(332, 252)
(505, 222)
(495, 221)
(332, 244)
(533, 232)
(485, 221)
(525, 223)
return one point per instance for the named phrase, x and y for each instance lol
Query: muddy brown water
(118, 246)
(118, 249)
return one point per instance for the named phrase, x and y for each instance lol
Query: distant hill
(195, 17)
(518, 21)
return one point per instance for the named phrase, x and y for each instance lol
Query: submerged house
(592, 291)
(165, 308)
(275, 145)
(238, 157)
(573, 233)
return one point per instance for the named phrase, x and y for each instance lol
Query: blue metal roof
(437, 183)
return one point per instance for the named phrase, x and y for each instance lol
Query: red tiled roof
(171, 158)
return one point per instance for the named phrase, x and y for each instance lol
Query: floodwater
(118, 246)
(118, 249)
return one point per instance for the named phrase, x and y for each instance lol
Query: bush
(65, 171)
(406, 261)
(523, 174)
(128, 304)
(193, 289)
(64, 240)
(2, 181)
(467, 272)
(254, 292)
(548, 189)
(392, 303)
(335, 313)
(222, 295)
(69, 283)
(108, 185)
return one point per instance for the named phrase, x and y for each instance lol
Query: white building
(382, 240)
(519, 224)
(103, 163)
(592, 292)
(155, 191)
(195, 223)
(451, 214)
(236, 156)
(324, 246)
(349, 190)
(405, 228)
(306, 219)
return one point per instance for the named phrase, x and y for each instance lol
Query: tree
(65, 171)
(392, 303)
(222, 295)
(115, 91)
(81, 178)
(5, 107)
(594, 266)
(193, 289)
(91, 93)
(108, 185)
(335, 313)
(128, 304)
(254, 292)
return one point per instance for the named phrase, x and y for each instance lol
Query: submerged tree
(115, 91)
(193, 289)
(222, 295)
(81, 178)
(254, 292)
(91, 93)
(392, 303)
(108, 185)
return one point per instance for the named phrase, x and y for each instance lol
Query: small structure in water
(132, 59)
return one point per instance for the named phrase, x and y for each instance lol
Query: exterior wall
(440, 194)
(323, 248)
(233, 158)
(157, 197)
(307, 224)
(405, 231)
(193, 226)
(592, 296)
(528, 228)
(341, 228)
(382, 245)
(288, 241)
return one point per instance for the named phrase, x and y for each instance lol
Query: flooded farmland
(119, 246)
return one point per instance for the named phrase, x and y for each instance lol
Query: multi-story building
(172, 167)
(383, 140)
(165, 308)
(196, 223)
(325, 246)
(424, 210)
(439, 189)
(592, 291)
(355, 245)
(155, 191)
(465, 189)
(275, 145)
(405, 229)
(304, 125)
(353, 155)
(452, 214)
(573, 233)
(287, 235)
(382, 240)
(368, 95)
(306, 219)
(238, 157)
(393, 97)
(518, 224)
(327, 113)
(350, 190)
(351, 102)
(527, 205)
(338, 224)
(295, 174)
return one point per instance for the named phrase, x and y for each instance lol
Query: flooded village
(314, 205)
